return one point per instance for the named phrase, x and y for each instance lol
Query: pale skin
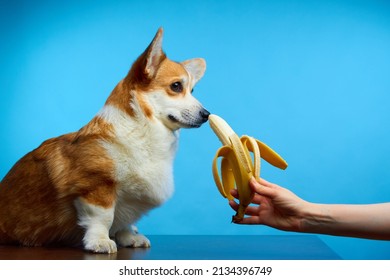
(280, 208)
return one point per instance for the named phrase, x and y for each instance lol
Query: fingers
(257, 199)
(253, 217)
(250, 210)
(233, 204)
(264, 192)
(263, 187)
(252, 220)
(263, 182)
(234, 193)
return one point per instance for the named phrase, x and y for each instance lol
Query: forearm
(364, 221)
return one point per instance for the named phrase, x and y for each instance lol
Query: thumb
(259, 188)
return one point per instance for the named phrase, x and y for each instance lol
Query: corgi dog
(89, 187)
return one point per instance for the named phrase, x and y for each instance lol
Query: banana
(237, 165)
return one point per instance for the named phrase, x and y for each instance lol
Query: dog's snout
(204, 114)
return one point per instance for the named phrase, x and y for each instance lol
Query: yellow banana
(237, 165)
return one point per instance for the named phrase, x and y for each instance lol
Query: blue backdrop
(310, 78)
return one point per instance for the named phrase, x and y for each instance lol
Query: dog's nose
(204, 114)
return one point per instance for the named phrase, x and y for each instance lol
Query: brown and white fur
(89, 187)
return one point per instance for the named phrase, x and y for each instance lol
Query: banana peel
(240, 162)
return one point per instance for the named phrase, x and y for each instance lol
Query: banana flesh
(240, 162)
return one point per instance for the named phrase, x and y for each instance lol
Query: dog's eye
(177, 87)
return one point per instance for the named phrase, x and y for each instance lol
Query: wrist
(315, 218)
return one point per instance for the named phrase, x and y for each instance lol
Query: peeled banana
(237, 164)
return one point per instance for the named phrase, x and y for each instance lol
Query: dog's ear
(196, 67)
(154, 54)
(145, 67)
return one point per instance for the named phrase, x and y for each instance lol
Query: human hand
(276, 206)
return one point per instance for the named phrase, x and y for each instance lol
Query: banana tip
(236, 219)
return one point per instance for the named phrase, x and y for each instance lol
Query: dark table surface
(193, 247)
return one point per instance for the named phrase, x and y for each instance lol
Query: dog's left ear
(154, 54)
(196, 67)
(145, 67)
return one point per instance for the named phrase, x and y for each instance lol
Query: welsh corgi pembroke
(88, 188)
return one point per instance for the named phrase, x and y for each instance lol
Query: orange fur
(168, 73)
(119, 99)
(69, 166)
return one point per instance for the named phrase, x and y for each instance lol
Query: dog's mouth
(187, 120)
(173, 119)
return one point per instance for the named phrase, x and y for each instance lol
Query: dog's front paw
(128, 239)
(101, 246)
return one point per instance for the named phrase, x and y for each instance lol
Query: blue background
(310, 78)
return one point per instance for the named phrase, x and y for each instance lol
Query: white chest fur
(143, 151)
